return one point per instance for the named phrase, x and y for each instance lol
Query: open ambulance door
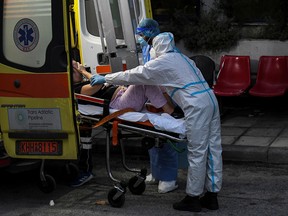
(37, 106)
(106, 32)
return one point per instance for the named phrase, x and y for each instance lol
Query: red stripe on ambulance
(34, 86)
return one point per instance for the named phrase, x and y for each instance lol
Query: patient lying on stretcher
(133, 96)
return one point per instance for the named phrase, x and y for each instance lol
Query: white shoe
(167, 186)
(150, 179)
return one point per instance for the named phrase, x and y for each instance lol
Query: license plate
(40, 147)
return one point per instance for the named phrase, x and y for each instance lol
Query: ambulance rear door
(37, 107)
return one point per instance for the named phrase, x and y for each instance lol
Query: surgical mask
(142, 42)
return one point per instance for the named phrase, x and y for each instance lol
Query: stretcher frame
(111, 122)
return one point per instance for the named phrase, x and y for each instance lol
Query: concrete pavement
(255, 135)
(253, 129)
(248, 189)
(250, 132)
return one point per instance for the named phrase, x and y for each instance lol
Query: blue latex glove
(97, 79)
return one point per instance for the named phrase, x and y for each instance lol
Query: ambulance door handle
(17, 83)
(121, 46)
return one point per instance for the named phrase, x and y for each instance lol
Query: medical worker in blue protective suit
(164, 160)
(187, 87)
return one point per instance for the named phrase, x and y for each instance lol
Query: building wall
(253, 48)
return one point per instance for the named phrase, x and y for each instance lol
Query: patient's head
(77, 76)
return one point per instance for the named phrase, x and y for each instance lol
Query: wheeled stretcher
(154, 128)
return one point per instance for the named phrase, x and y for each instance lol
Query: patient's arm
(90, 90)
(86, 89)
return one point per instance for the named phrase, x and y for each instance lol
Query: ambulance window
(116, 19)
(31, 38)
(91, 20)
(135, 13)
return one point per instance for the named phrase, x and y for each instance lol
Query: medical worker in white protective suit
(164, 159)
(187, 87)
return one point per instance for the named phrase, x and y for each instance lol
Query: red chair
(233, 77)
(272, 77)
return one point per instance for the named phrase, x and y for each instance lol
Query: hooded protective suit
(187, 87)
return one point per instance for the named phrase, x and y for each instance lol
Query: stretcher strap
(115, 133)
(90, 98)
(111, 116)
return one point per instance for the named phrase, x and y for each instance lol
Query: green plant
(270, 15)
(209, 32)
(226, 22)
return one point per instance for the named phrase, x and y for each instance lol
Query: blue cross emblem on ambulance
(26, 35)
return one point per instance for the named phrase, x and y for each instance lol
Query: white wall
(253, 48)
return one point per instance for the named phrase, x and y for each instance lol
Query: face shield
(148, 32)
(148, 28)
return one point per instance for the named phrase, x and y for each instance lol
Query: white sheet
(161, 121)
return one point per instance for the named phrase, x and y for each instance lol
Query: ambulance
(39, 39)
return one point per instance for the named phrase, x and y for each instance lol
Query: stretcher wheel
(137, 185)
(116, 198)
(48, 185)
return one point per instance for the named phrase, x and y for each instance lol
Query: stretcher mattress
(160, 121)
